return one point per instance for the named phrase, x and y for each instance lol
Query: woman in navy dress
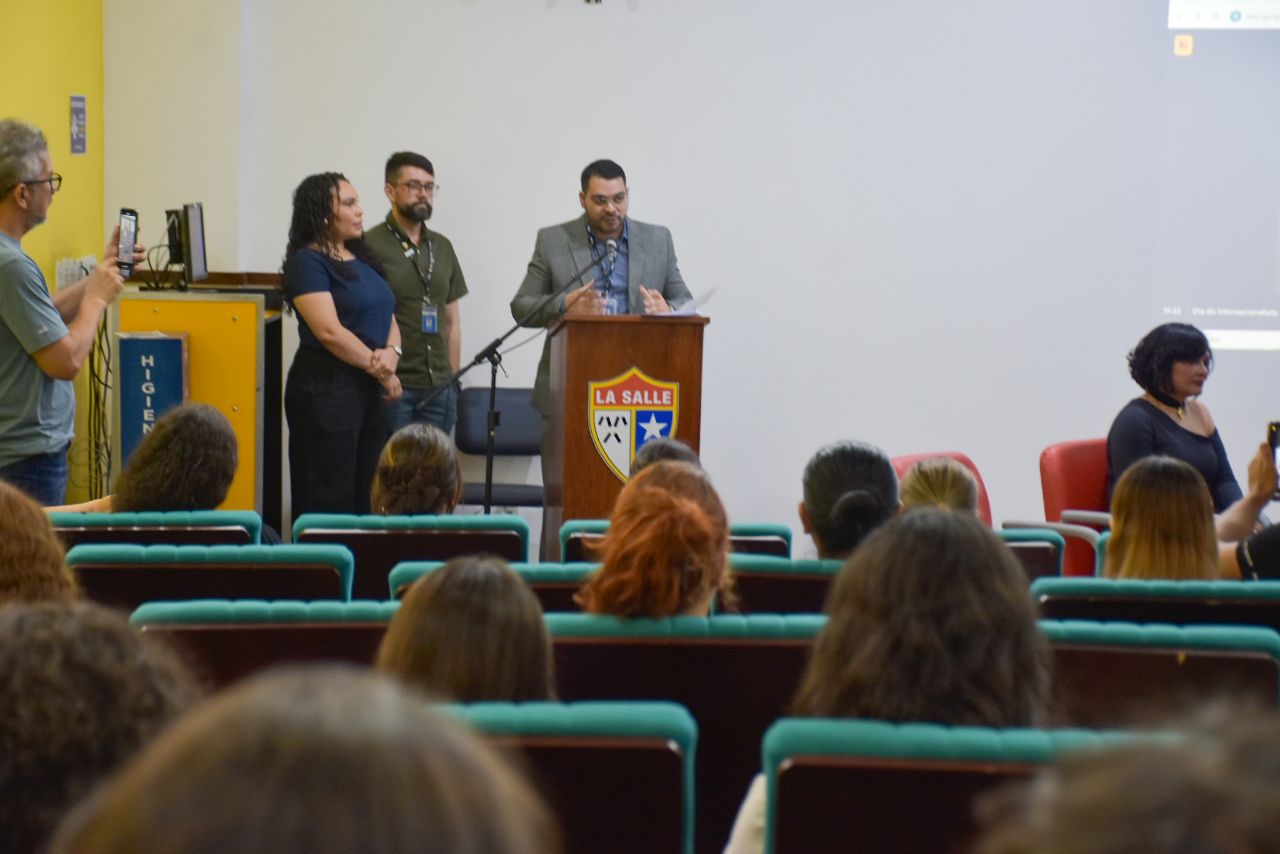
(348, 349)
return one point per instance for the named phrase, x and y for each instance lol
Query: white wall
(929, 225)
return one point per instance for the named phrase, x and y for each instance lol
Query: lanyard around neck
(411, 252)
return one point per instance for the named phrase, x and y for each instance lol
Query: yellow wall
(53, 50)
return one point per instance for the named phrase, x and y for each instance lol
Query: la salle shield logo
(628, 411)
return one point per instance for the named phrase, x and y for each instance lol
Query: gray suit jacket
(562, 250)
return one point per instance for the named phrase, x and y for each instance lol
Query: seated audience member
(929, 620)
(666, 552)
(662, 448)
(33, 565)
(321, 760)
(1204, 792)
(417, 472)
(1161, 523)
(471, 630)
(850, 489)
(186, 462)
(1171, 364)
(940, 482)
(80, 692)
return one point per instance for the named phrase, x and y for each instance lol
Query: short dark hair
(1151, 362)
(606, 169)
(472, 630)
(406, 158)
(82, 692)
(929, 620)
(321, 759)
(186, 462)
(850, 488)
(662, 448)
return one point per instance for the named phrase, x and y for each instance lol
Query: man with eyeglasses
(44, 340)
(427, 280)
(639, 276)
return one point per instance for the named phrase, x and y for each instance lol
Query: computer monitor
(193, 258)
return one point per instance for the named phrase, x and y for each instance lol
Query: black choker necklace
(1179, 407)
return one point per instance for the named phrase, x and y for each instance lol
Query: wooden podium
(614, 379)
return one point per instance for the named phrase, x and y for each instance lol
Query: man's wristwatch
(398, 350)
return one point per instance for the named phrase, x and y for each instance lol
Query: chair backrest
(228, 640)
(894, 787)
(1039, 550)
(763, 538)
(176, 527)
(126, 576)
(1125, 674)
(618, 775)
(735, 674)
(1073, 476)
(553, 583)
(1179, 603)
(519, 430)
(774, 585)
(381, 542)
(903, 464)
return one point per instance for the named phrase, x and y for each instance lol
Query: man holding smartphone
(44, 339)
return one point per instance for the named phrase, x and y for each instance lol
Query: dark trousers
(336, 432)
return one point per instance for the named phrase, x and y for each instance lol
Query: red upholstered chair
(1073, 478)
(902, 464)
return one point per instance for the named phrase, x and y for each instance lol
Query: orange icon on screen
(1183, 44)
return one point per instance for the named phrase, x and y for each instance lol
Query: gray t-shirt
(37, 412)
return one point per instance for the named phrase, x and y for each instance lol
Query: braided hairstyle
(418, 472)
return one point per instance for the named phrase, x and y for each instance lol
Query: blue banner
(153, 380)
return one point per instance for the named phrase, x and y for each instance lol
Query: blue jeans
(442, 412)
(43, 477)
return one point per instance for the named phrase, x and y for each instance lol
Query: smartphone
(1273, 439)
(128, 237)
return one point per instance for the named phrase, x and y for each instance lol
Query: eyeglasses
(617, 201)
(54, 181)
(418, 187)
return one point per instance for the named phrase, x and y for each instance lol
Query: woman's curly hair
(186, 462)
(310, 226)
(33, 561)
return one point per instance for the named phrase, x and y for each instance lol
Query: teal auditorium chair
(553, 583)
(126, 576)
(744, 538)
(175, 527)
(840, 785)
(772, 585)
(229, 640)
(618, 775)
(381, 542)
(1040, 550)
(1125, 674)
(1179, 603)
(735, 674)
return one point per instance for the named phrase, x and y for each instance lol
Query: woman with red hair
(666, 552)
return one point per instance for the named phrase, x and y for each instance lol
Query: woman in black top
(349, 345)
(1171, 364)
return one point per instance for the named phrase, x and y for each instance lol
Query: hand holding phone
(128, 237)
(1273, 439)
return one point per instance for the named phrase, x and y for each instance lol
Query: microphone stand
(491, 355)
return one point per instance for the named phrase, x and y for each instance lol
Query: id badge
(429, 319)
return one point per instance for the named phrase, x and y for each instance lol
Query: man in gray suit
(635, 269)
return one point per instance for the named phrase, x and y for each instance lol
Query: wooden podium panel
(582, 482)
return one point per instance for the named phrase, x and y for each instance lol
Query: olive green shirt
(425, 363)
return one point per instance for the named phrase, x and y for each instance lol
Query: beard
(419, 212)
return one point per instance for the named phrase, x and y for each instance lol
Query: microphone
(612, 246)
